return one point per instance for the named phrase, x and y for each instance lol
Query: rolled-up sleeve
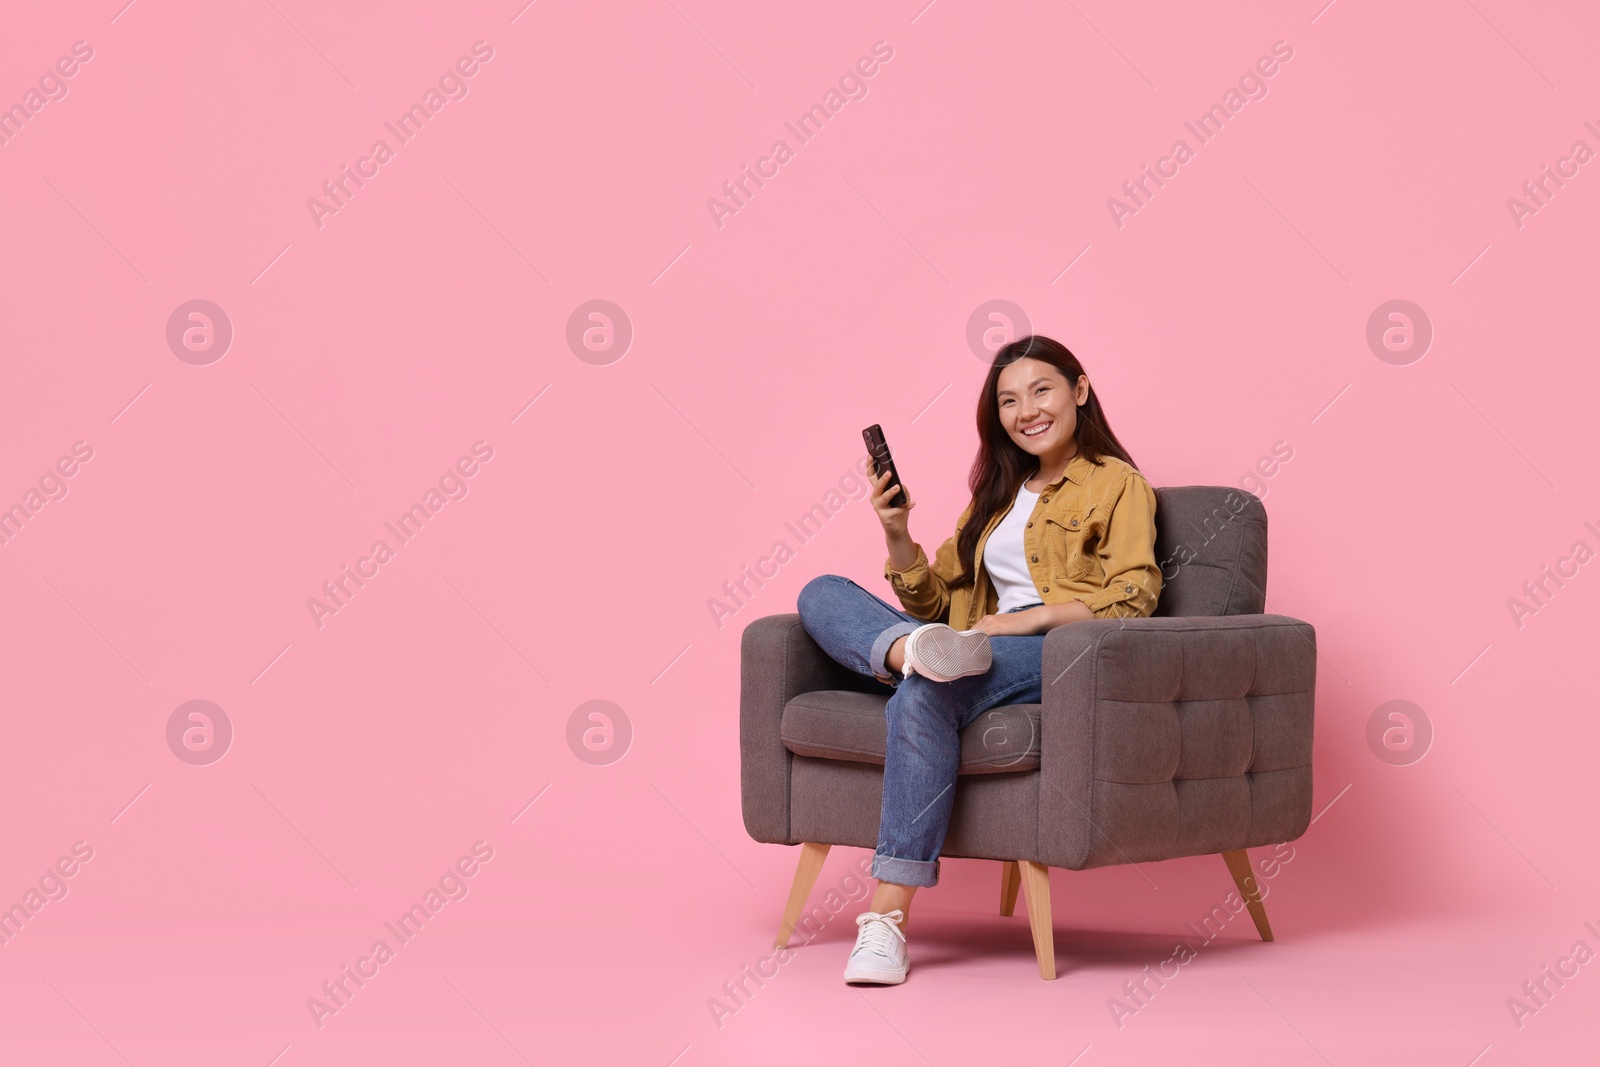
(1127, 553)
(922, 587)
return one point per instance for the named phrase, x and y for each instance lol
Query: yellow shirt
(1091, 537)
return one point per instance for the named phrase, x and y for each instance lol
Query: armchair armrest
(778, 660)
(1168, 737)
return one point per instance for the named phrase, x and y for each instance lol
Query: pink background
(1226, 316)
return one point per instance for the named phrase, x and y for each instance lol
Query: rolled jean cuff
(880, 650)
(921, 873)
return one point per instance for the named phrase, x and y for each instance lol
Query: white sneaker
(879, 957)
(942, 654)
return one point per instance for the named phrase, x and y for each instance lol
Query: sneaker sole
(874, 978)
(950, 654)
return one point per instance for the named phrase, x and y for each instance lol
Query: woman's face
(1033, 396)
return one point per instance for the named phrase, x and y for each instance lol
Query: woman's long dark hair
(1001, 465)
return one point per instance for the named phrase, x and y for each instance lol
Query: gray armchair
(1182, 734)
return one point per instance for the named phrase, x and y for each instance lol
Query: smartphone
(882, 461)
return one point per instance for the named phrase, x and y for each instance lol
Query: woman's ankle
(895, 658)
(889, 896)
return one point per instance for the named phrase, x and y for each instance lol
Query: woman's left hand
(1015, 623)
(1038, 619)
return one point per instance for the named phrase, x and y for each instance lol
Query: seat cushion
(842, 725)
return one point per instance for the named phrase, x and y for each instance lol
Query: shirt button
(1127, 589)
(1036, 559)
(1030, 524)
(1046, 589)
(1045, 500)
(1074, 522)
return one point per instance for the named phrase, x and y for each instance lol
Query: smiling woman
(1060, 529)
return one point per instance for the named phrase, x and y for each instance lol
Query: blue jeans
(925, 717)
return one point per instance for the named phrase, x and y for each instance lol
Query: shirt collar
(1076, 472)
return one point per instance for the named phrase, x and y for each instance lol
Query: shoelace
(878, 930)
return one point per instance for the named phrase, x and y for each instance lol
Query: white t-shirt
(1005, 558)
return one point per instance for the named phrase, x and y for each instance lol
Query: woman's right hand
(893, 519)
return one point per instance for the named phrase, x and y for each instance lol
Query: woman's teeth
(1035, 431)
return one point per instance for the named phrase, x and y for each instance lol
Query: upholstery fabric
(1211, 545)
(851, 726)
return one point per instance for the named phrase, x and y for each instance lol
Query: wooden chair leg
(1009, 881)
(1036, 889)
(1239, 866)
(805, 877)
